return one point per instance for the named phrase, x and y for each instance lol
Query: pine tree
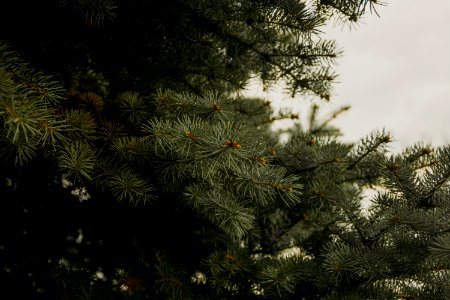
(133, 168)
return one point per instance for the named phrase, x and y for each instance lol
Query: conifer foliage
(133, 168)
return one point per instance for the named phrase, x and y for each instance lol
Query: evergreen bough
(133, 168)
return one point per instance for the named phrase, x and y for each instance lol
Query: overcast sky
(394, 73)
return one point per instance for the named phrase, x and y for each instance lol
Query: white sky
(394, 73)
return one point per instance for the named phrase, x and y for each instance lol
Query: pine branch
(77, 162)
(95, 12)
(373, 143)
(280, 277)
(266, 184)
(440, 248)
(222, 209)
